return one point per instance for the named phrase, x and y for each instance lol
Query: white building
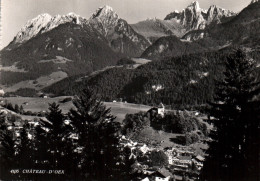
(2, 92)
(161, 109)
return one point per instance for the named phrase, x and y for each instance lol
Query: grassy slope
(148, 135)
(41, 104)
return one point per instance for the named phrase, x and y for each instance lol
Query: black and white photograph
(129, 90)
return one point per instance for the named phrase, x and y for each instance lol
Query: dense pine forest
(183, 82)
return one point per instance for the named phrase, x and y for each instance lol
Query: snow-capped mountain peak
(108, 8)
(72, 14)
(32, 27)
(104, 12)
(104, 19)
(43, 23)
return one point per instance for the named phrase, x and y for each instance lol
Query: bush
(134, 122)
(158, 158)
(191, 138)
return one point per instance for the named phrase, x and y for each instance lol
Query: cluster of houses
(182, 162)
(183, 158)
(16, 126)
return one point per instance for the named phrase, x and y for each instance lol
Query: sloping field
(38, 104)
(39, 83)
(118, 109)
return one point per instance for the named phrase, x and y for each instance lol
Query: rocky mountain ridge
(194, 18)
(44, 23)
(120, 34)
(240, 30)
(180, 23)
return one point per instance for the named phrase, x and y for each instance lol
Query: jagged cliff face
(194, 18)
(120, 34)
(104, 20)
(44, 23)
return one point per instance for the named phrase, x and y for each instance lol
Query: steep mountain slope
(154, 28)
(171, 46)
(121, 36)
(193, 17)
(241, 28)
(72, 48)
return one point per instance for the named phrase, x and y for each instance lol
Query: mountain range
(76, 45)
(239, 30)
(179, 23)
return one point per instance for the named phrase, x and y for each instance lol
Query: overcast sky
(15, 13)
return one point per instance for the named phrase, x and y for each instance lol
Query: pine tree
(231, 109)
(55, 134)
(97, 136)
(61, 147)
(21, 110)
(7, 150)
(41, 142)
(53, 148)
(16, 109)
(25, 155)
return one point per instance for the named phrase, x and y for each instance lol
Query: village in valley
(181, 162)
(178, 162)
(95, 93)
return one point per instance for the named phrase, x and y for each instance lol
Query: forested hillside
(187, 80)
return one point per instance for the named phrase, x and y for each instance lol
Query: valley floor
(38, 104)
